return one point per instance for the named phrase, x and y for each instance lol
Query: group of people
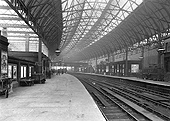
(61, 71)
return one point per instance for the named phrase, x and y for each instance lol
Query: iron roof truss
(44, 17)
(146, 21)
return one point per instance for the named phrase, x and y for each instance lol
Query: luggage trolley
(4, 86)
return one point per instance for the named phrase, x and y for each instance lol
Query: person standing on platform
(59, 71)
(11, 85)
(62, 71)
(56, 72)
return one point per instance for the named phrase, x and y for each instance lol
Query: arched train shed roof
(149, 18)
(84, 29)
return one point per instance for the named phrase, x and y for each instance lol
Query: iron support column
(159, 55)
(40, 56)
(96, 66)
(108, 57)
(126, 62)
(142, 57)
(19, 71)
(113, 57)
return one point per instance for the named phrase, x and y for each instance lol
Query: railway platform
(61, 98)
(135, 79)
(161, 83)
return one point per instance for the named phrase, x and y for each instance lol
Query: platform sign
(4, 64)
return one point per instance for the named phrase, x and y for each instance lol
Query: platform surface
(61, 98)
(161, 83)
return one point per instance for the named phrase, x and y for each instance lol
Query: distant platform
(161, 83)
(61, 98)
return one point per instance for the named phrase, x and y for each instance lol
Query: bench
(26, 81)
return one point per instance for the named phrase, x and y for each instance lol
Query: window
(134, 68)
(30, 71)
(113, 69)
(12, 71)
(107, 68)
(123, 69)
(23, 71)
(118, 68)
(9, 71)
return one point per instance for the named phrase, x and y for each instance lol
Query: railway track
(162, 93)
(161, 99)
(109, 93)
(157, 100)
(112, 108)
